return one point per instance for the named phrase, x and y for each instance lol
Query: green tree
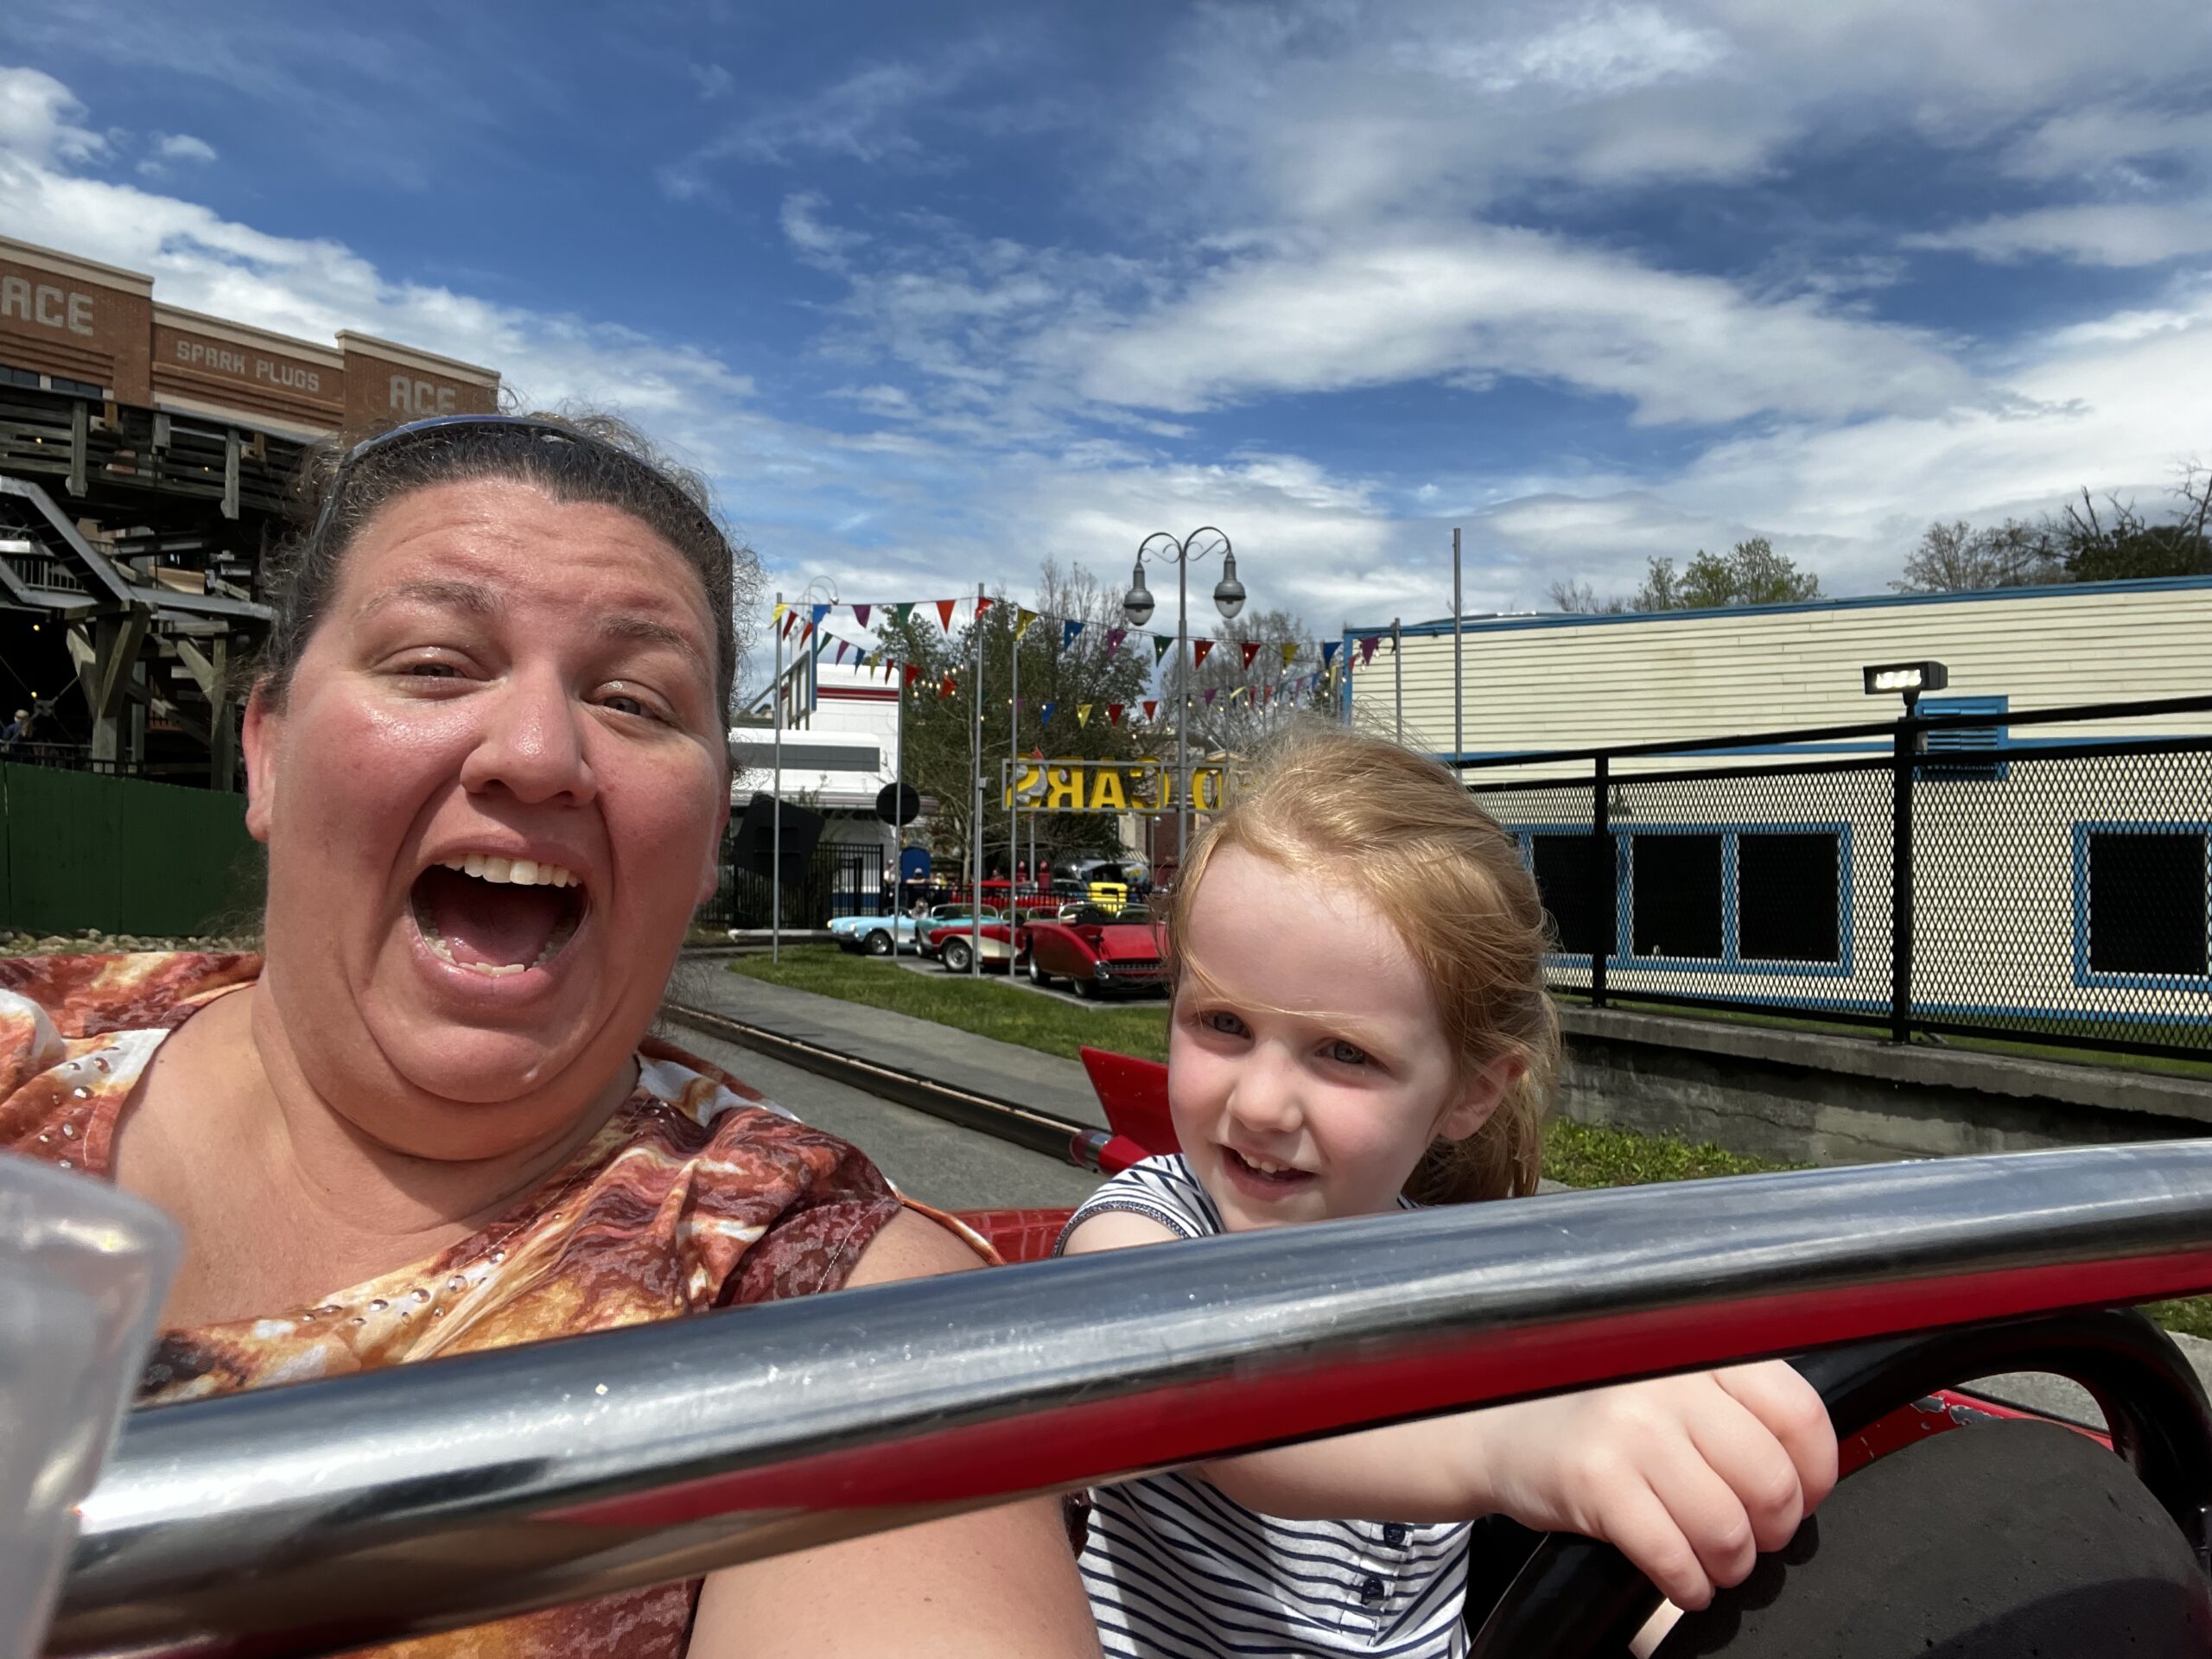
(1751, 573)
(1956, 558)
(2118, 544)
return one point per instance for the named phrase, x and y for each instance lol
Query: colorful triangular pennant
(944, 613)
(1159, 644)
(1068, 629)
(1366, 649)
(859, 613)
(1151, 707)
(1329, 651)
(1113, 638)
(1082, 714)
(1114, 712)
(1045, 714)
(1289, 651)
(1023, 616)
(1199, 650)
(1252, 649)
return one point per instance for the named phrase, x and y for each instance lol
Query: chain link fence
(1977, 878)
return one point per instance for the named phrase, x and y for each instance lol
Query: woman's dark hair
(572, 458)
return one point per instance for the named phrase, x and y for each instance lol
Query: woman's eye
(628, 703)
(1345, 1053)
(431, 671)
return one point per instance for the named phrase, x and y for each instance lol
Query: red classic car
(1094, 952)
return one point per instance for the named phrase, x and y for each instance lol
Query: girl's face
(492, 798)
(1309, 1071)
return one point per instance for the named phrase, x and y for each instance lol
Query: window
(1572, 872)
(82, 388)
(13, 376)
(1789, 900)
(1966, 752)
(2141, 900)
(1675, 896)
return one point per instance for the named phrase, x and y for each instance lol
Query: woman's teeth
(517, 872)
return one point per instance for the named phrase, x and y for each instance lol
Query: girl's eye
(431, 671)
(1226, 1023)
(1344, 1053)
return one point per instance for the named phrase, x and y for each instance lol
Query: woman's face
(492, 796)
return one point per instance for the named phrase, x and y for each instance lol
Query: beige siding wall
(1585, 684)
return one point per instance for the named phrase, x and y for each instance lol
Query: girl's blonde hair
(1336, 806)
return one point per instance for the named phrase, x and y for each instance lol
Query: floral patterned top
(697, 1194)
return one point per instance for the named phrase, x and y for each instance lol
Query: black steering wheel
(1578, 1599)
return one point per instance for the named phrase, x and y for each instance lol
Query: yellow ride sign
(1103, 786)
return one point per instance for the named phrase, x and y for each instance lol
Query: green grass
(1578, 1155)
(993, 1008)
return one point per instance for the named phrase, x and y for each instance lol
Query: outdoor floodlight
(1907, 680)
(1137, 604)
(1228, 593)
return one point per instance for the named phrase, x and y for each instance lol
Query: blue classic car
(881, 935)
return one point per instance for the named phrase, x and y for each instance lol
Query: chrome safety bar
(330, 1514)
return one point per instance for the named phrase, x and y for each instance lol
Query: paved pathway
(1001, 1070)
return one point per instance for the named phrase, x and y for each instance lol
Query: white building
(2062, 872)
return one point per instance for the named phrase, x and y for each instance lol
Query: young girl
(1360, 1024)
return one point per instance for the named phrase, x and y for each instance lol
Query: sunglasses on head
(438, 427)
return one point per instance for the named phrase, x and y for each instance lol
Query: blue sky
(934, 292)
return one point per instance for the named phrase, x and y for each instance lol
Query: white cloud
(2116, 234)
(39, 119)
(1489, 302)
(1602, 52)
(182, 147)
(713, 80)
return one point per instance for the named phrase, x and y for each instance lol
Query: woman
(486, 753)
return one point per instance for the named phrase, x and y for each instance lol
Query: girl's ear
(1480, 1097)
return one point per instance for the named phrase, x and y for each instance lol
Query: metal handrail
(1885, 728)
(331, 1515)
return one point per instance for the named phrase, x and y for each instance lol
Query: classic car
(881, 935)
(952, 944)
(804, 1422)
(1094, 951)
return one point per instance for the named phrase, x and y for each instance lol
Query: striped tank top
(1176, 1569)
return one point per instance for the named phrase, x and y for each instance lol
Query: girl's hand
(1688, 1477)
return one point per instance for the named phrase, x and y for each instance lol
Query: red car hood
(1130, 942)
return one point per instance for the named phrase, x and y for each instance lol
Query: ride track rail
(330, 1514)
(1062, 1138)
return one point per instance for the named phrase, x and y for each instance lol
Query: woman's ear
(711, 878)
(257, 734)
(1480, 1097)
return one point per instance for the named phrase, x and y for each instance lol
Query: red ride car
(1095, 952)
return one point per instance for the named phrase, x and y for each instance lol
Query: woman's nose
(531, 744)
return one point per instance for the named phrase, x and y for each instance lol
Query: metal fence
(1967, 876)
(837, 880)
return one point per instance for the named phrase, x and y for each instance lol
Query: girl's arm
(1688, 1477)
(997, 1584)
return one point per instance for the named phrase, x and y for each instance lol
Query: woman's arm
(997, 1584)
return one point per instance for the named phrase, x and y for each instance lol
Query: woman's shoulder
(75, 1032)
(91, 995)
(1161, 1189)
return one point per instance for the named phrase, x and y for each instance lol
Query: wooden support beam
(231, 473)
(80, 444)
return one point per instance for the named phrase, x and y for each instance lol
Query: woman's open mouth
(497, 915)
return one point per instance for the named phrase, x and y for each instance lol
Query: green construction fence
(83, 850)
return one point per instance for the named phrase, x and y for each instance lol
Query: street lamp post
(1228, 598)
